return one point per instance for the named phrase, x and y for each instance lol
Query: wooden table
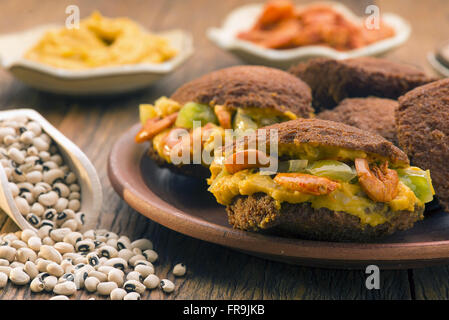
(214, 272)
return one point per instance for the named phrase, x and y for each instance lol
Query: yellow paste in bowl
(100, 42)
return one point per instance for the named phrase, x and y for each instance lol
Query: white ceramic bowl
(243, 18)
(91, 191)
(97, 81)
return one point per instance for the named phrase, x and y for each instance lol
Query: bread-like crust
(334, 80)
(258, 213)
(423, 132)
(249, 86)
(329, 133)
(371, 114)
(191, 170)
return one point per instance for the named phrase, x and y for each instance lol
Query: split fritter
(375, 115)
(334, 80)
(423, 132)
(326, 196)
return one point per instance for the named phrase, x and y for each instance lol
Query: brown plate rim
(277, 248)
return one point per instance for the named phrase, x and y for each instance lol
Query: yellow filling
(99, 42)
(349, 198)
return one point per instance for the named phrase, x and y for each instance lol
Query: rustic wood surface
(214, 272)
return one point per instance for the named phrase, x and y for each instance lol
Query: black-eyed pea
(26, 254)
(17, 244)
(8, 253)
(179, 270)
(17, 264)
(48, 199)
(89, 234)
(61, 189)
(134, 275)
(44, 155)
(67, 266)
(34, 243)
(33, 219)
(102, 261)
(65, 215)
(17, 175)
(42, 264)
(132, 296)
(99, 275)
(34, 127)
(37, 285)
(68, 276)
(72, 224)
(117, 276)
(105, 288)
(138, 257)
(150, 255)
(55, 269)
(123, 242)
(118, 294)
(48, 241)
(74, 205)
(91, 284)
(59, 297)
(22, 205)
(34, 176)
(142, 244)
(64, 247)
(117, 263)
(18, 276)
(112, 243)
(66, 288)
(85, 246)
(56, 158)
(5, 269)
(31, 269)
(73, 238)
(61, 204)
(167, 286)
(74, 196)
(37, 209)
(58, 234)
(4, 262)
(152, 281)
(108, 252)
(16, 155)
(80, 277)
(134, 286)
(80, 218)
(105, 269)
(38, 190)
(41, 144)
(125, 254)
(70, 178)
(74, 187)
(50, 253)
(50, 214)
(101, 238)
(144, 270)
(14, 189)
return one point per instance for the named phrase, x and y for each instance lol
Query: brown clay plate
(184, 205)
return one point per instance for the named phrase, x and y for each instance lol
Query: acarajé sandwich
(241, 98)
(333, 182)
